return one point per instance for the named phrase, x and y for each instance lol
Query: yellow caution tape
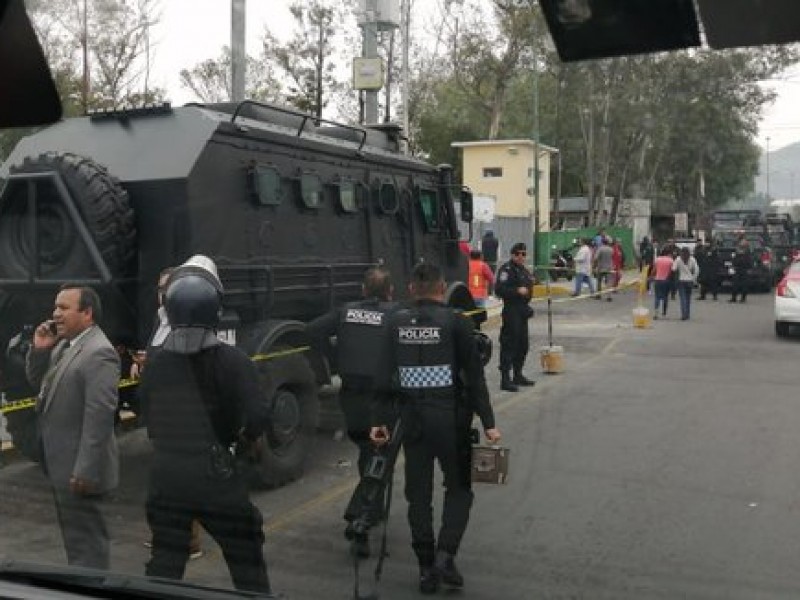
(27, 403)
(611, 290)
(15, 405)
(281, 353)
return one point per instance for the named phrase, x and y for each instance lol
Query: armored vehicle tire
(291, 388)
(102, 203)
(21, 425)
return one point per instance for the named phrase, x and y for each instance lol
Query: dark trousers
(685, 295)
(514, 341)
(83, 529)
(662, 287)
(739, 288)
(356, 401)
(181, 491)
(434, 435)
(709, 286)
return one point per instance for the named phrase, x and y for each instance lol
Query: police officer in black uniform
(201, 397)
(514, 284)
(440, 383)
(742, 263)
(360, 329)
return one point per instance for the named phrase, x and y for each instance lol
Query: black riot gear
(361, 338)
(425, 356)
(193, 302)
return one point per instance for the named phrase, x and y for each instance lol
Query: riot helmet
(193, 302)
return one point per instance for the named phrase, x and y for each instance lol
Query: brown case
(490, 464)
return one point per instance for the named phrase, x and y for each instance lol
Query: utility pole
(406, 41)
(86, 84)
(370, 50)
(238, 50)
(536, 149)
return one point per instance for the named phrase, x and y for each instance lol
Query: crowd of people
(676, 271)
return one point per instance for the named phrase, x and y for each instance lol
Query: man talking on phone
(76, 370)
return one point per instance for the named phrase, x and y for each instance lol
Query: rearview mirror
(466, 206)
(28, 95)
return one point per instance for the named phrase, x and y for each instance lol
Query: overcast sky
(194, 30)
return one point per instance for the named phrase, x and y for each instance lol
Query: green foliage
(677, 126)
(98, 50)
(211, 79)
(306, 60)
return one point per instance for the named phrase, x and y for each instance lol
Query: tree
(99, 50)
(485, 61)
(308, 60)
(211, 79)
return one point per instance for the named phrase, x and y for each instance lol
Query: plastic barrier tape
(26, 403)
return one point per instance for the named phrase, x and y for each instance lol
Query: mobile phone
(51, 326)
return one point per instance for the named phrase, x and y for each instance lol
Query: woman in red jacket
(480, 278)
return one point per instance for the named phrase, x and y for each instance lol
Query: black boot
(448, 573)
(506, 384)
(428, 580)
(520, 379)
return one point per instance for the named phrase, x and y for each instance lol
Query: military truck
(292, 208)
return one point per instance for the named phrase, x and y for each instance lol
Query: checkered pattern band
(435, 376)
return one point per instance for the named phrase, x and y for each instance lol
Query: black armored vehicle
(292, 208)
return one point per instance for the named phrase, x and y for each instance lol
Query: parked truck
(292, 208)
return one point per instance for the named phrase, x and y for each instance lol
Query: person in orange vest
(480, 278)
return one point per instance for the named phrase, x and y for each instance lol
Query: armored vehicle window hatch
(429, 205)
(310, 190)
(388, 201)
(346, 192)
(265, 183)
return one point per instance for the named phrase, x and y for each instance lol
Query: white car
(787, 300)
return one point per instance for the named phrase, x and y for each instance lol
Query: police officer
(440, 383)
(513, 285)
(742, 263)
(201, 397)
(360, 329)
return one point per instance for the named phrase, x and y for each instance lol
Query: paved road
(663, 463)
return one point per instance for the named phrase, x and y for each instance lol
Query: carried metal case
(490, 464)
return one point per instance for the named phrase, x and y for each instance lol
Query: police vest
(424, 350)
(361, 340)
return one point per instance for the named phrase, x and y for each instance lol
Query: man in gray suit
(77, 371)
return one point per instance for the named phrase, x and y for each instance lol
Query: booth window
(311, 190)
(266, 185)
(492, 172)
(429, 204)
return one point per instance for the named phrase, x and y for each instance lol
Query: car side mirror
(466, 206)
